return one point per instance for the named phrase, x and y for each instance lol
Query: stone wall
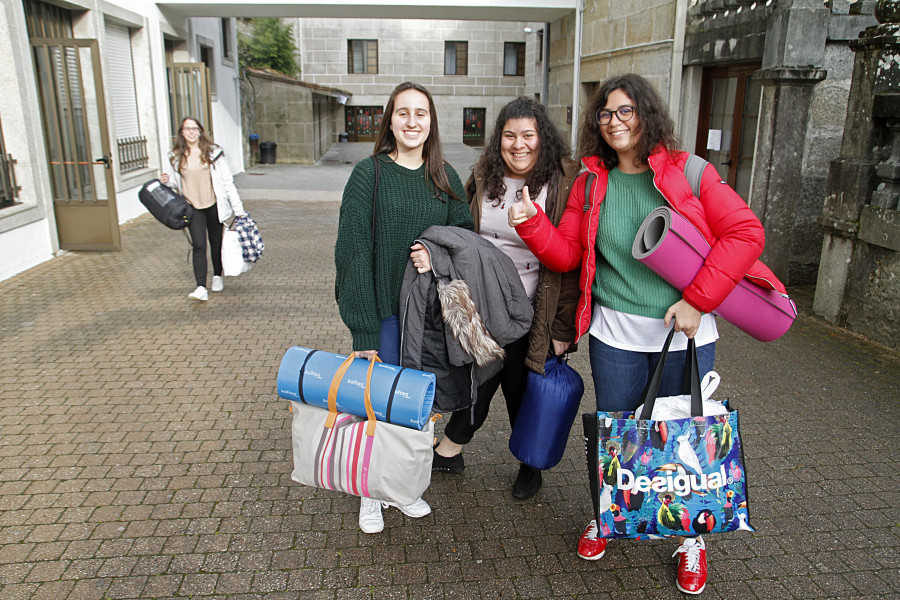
(617, 38)
(859, 272)
(302, 119)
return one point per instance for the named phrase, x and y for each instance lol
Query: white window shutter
(121, 81)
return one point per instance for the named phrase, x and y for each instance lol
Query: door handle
(107, 161)
(727, 163)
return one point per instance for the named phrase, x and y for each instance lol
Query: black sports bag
(168, 206)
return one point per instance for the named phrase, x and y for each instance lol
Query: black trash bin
(267, 153)
(343, 137)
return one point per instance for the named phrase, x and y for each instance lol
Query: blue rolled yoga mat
(400, 396)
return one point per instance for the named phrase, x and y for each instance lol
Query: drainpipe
(576, 76)
(545, 83)
(677, 60)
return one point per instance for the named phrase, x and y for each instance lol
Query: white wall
(27, 234)
(24, 247)
(28, 230)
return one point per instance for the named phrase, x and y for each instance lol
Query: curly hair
(553, 149)
(180, 148)
(655, 126)
(432, 151)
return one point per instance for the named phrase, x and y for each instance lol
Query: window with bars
(9, 191)
(362, 56)
(456, 58)
(132, 153)
(514, 58)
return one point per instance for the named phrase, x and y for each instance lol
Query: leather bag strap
(367, 395)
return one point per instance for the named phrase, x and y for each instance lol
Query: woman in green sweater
(416, 189)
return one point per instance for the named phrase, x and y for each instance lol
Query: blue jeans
(620, 375)
(389, 340)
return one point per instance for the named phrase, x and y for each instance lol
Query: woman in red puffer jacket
(627, 140)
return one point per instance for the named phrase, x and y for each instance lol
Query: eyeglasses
(190, 129)
(623, 113)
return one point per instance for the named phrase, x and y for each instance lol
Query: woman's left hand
(519, 212)
(687, 318)
(559, 348)
(420, 258)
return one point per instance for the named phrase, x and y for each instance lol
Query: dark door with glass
(473, 126)
(362, 122)
(726, 127)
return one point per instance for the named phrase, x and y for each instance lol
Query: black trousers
(511, 379)
(205, 223)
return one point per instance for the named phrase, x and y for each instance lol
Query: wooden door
(726, 128)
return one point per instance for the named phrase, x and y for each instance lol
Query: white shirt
(645, 334)
(495, 227)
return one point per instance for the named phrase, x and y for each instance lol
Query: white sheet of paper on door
(714, 140)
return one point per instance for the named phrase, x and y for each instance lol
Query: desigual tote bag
(653, 479)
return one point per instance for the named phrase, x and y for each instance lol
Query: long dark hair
(180, 148)
(553, 149)
(432, 151)
(656, 126)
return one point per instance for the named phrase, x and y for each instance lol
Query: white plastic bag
(233, 263)
(679, 407)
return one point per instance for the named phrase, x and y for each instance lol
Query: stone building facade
(759, 89)
(859, 274)
(477, 53)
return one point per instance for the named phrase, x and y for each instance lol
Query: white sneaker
(417, 509)
(370, 519)
(199, 294)
(218, 284)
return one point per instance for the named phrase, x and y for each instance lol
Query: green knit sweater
(404, 208)
(621, 282)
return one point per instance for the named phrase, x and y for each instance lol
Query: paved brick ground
(144, 453)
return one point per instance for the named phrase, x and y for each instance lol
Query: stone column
(794, 52)
(777, 191)
(860, 218)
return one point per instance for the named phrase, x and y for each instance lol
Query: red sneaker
(591, 547)
(691, 574)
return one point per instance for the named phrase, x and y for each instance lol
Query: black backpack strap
(588, 184)
(693, 171)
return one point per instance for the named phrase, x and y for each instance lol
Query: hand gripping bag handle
(690, 385)
(367, 395)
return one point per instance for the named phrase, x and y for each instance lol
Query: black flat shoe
(453, 464)
(527, 483)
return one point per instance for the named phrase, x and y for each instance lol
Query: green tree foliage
(270, 46)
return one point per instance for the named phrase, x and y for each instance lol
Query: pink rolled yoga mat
(675, 250)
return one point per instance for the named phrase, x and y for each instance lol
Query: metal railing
(9, 191)
(132, 153)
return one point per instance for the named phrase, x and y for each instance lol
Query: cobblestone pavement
(145, 454)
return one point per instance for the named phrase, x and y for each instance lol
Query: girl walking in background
(201, 174)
